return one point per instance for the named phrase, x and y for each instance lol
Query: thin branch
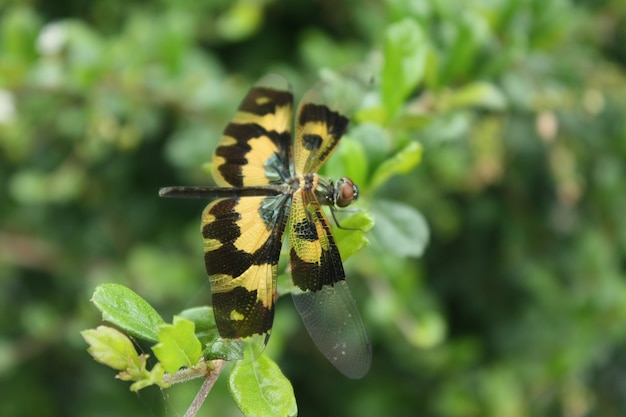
(211, 377)
(183, 375)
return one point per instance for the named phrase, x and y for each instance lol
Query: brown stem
(211, 377)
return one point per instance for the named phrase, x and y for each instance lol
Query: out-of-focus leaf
(481, 94)
(411, 122)
(400, 163)
(320, 49)
(400, 228)
(465, 35)
(349, 160)
(260, 389)
(85, 53)
(28, 186)
(18, 33)
(428, 331)
(374, 114)
(241, 20)
(375, 141)
(178, 345)
(123, 307)
(61, 185)
(405, 58)
(155, 271)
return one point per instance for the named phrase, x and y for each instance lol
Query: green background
(517, 307)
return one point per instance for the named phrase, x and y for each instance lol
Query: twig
(183, 375)
(211, 377)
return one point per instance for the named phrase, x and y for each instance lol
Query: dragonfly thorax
(340, 194)
(307, 182)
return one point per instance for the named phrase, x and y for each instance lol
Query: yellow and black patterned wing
(255, 148)
(242, 241)
(321, 293)
(322, 119)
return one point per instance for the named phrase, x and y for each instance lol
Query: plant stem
(209, 381)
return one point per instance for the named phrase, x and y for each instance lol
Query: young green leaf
(113, 348)
(401, 228)
(204, 320)
(154, 377)
(178, 345)
(401, 163)
(124, 308)
(259, 388)
(110, 347)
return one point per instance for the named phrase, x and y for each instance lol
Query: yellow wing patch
(318, 131)
(278, 121)
(255, 147)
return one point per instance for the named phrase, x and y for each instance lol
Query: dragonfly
(267, 184)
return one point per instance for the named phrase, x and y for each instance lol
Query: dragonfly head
(345, 192)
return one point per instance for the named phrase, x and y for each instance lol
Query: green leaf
(240, 21)
(123, 307)
(352, 241)
(431, 70)
(401, 163)
(226, 349)
(202, 317)
(405, 54)
(483, 94)
(204, 320)
(465, 35)
(178, 345)
(411, 122)
(349, 160)
(427, 331)
(113, 348)
(320, 49)
(400, 228)
(375, 141)
(110, 347)
(375, 114)
(18, 34)
(259, 388)
(154, 377)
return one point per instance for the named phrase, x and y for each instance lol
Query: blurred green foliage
(517, 306)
